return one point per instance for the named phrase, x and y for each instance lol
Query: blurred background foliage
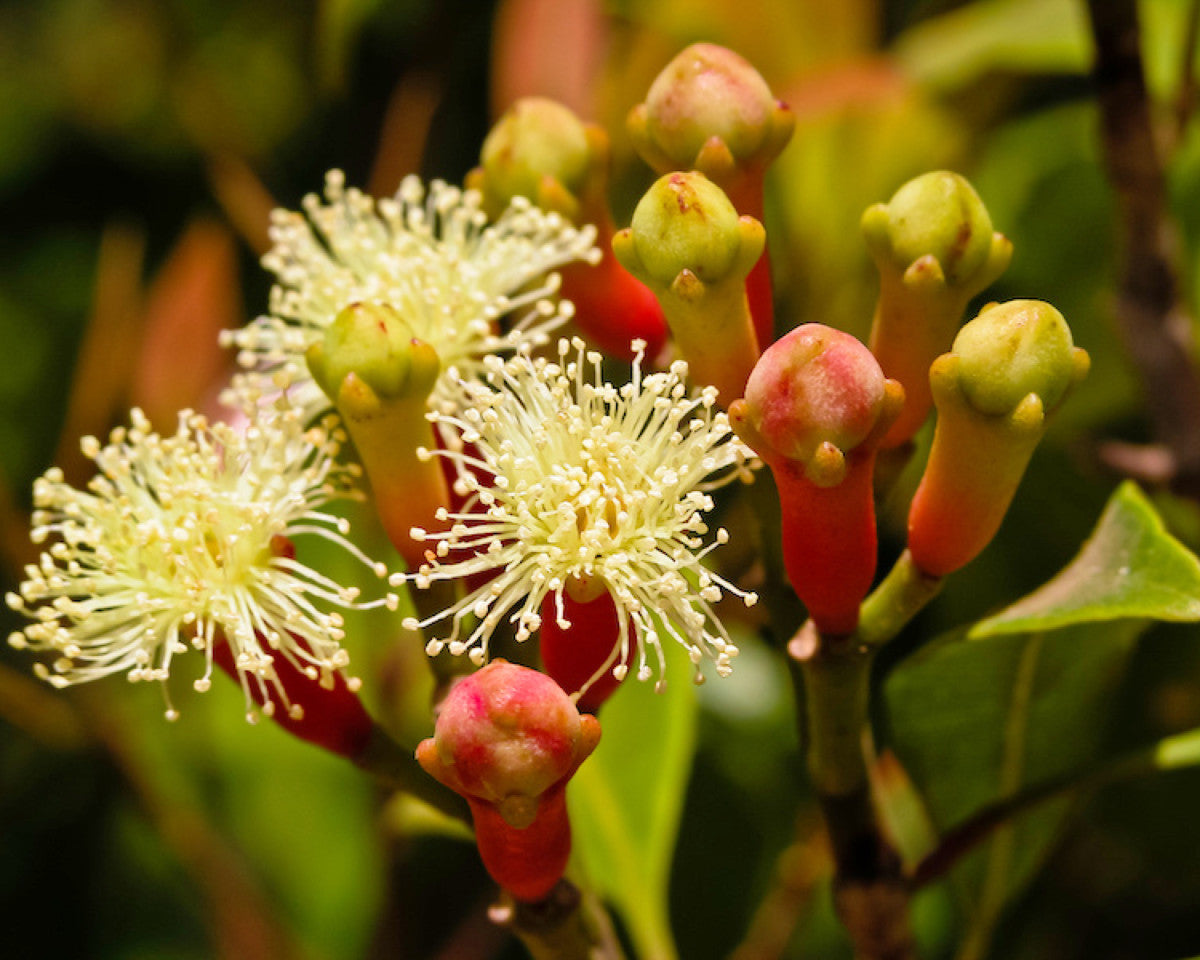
(142, 143)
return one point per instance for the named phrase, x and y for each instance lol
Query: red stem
(528, 862)
(746, 195)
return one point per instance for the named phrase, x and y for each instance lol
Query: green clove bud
(538, 149)
(371, 342)
(935, 249)
(1009, 369)
(379, 376)
(688, 244)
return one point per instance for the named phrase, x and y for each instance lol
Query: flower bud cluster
(819, 405)
(577, 510)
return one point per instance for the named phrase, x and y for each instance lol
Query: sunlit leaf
(1130, 567)
(626, 801)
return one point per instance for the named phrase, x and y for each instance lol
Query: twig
(1150, 310)
(1185, 97)
(799, 869)
(1175, 752)
(832, 679)
(397, 767)
(567, 925)
(832, 676)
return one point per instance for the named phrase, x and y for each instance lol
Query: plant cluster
(604, 459)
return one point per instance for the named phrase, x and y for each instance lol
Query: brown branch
(1150, 310)
(982, 825)
(1185, 97)
(798, 872)
(567, 925)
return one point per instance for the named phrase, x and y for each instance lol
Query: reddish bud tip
(815, 408)
(814, 388)
(710, 110)
(508, 739)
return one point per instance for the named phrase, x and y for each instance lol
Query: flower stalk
(380, 376)
(1010, 368)
(815, 408)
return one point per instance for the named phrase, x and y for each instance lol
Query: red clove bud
(816, 406)
(508, 739)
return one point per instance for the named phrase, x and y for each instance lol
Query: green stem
(833, 676)
(898, 598)
(397, 767)
(836, 677)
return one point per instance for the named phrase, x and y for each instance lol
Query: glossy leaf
(626, 801)
(1130, 567)
(975, 721)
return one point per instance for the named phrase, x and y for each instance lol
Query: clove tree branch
(1152, 316)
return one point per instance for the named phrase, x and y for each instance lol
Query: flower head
(430, 254)
(508, 739)
(585, 486)
(186, 540)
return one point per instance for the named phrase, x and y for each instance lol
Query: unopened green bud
(935, 248)
(937, 214)
(1015, 349)
(372, 342)
(540, 150)
(690, 247)
(1010, 368)
(709, 110)
(685, 222)
(379, 376)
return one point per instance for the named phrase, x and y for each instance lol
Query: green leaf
(626, 801)
(1130, 568)
(302, 819)
(959, 47)
(951, 51)
(975, 721)
(1178, 751)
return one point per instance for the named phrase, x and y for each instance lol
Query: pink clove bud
(816, 406)
(508, 739)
